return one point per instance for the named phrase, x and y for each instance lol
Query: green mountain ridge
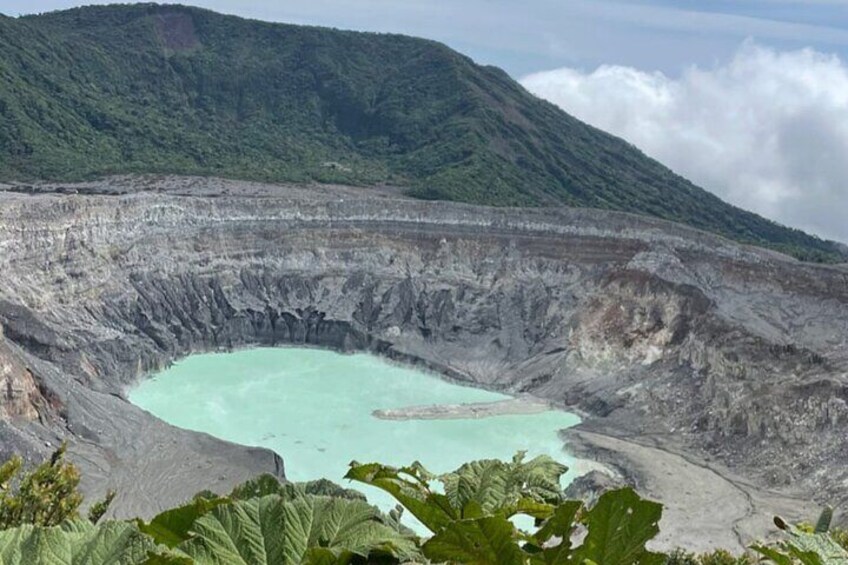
(149, 88)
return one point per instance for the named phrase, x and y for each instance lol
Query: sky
(747, 98)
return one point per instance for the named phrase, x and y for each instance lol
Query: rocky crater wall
(657, 333)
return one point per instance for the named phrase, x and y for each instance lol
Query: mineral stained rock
(663, 337)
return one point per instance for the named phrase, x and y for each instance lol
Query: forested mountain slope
(171, 89)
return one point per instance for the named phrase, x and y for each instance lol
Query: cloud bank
(767, 131)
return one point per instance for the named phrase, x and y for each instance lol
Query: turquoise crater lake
(314, 407)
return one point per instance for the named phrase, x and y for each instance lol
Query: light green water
(314, 407)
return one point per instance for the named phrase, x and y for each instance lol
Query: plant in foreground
(806, 545)
(471, 523)
(264, 522)
(45, 496)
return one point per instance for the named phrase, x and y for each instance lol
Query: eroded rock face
(636, 318)
(20, 398)
(649, 328)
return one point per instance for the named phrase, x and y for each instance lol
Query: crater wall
(662, 336)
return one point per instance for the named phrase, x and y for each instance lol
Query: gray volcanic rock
(662, 336)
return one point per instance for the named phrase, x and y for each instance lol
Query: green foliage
(470, 521)
(411, 487)
(173, 526)
(309, 529)
(477, 541)
(264, 485)
(75, 543)
(840, 536)
(824, 521)
(324, 487)
(472, 491)
(617, 529)
(151, 89)
(804, 546)
(274, 529)
(320, 523)
(505, 487)
(98, 509)
(44, 496)
(619, 526)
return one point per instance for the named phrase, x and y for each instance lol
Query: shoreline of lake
(467, 410)
(314, 408)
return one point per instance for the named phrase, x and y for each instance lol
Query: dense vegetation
(147, 88)
(264, 522)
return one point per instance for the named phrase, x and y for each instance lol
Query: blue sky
(532, 35)
(747, 98)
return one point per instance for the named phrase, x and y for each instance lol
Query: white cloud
(767, 131)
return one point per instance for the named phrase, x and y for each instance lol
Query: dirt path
(705, 507)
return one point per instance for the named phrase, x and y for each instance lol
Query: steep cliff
(20, 398)
(662, 335)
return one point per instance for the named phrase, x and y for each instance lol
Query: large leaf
(172, 526)
(168, 558)
(619, 526)
(815, 548)
(272, 530)
(499, 486)
(324, 487)
(476, 489)
(482, 541)
(75, 543)
(808, 548)
(265, 485)
(773, 554)
(410, 487)
(559, 526)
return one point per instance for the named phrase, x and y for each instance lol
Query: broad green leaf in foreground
(265, 485)
(559, 526)
(822, 545)
(172, 526)
(272, 530)
(619, 526)
(168, 558)
(257, 487)
(75, 543)
(410, 486)
(481, 541)
(499, 486)
(476, 489)
(807, 548)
